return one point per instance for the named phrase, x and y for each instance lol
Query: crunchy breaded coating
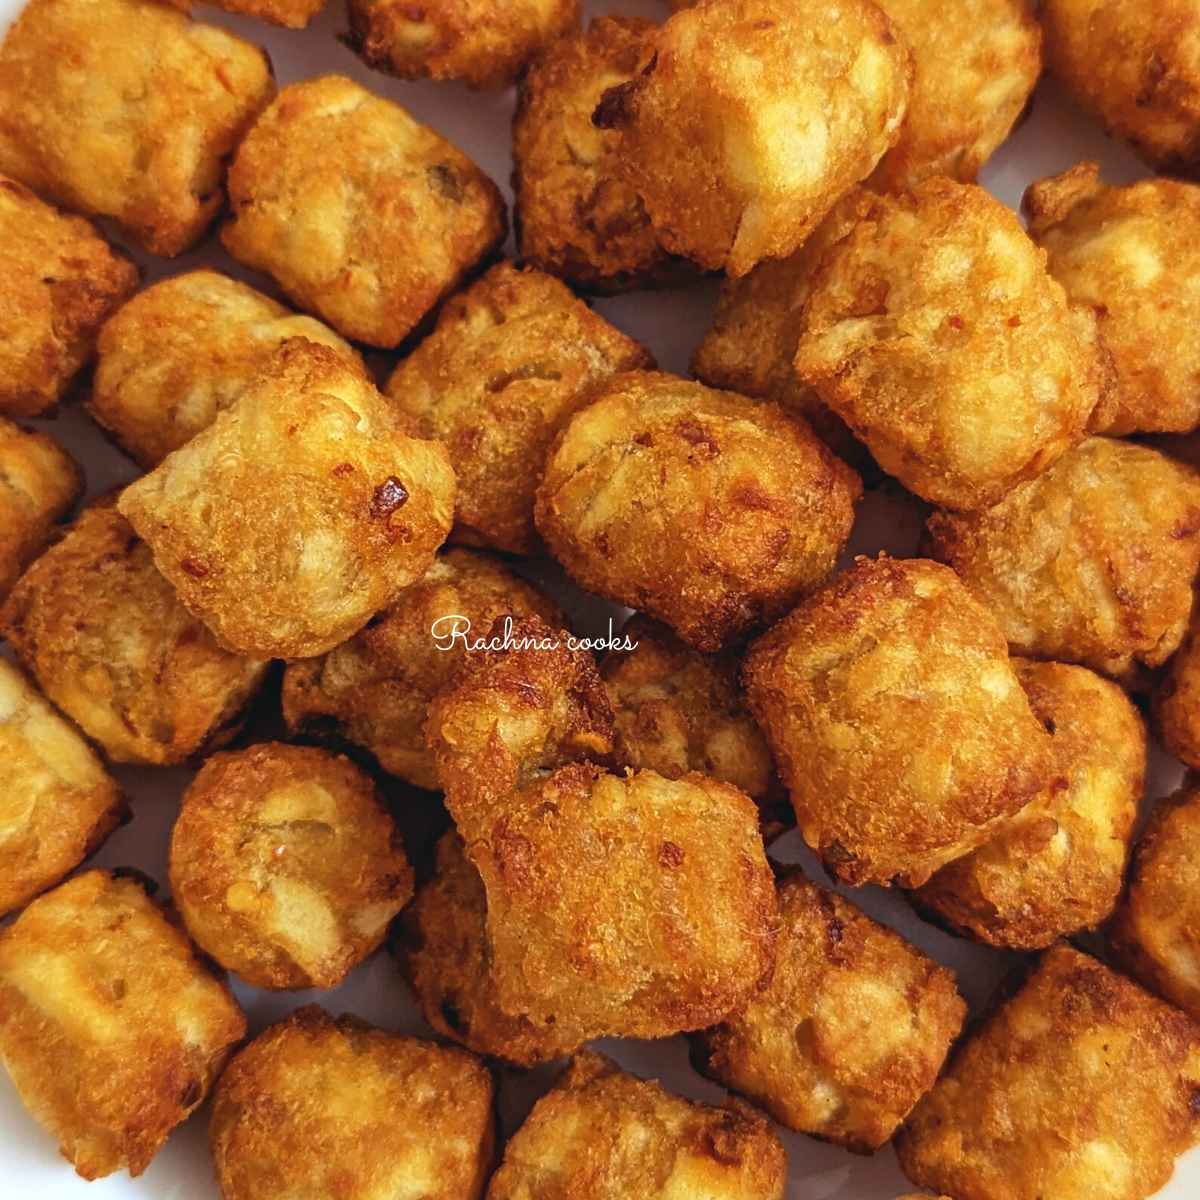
(299, 513)
(285, 865)
(897, 721)
(935, 332)
(60, 281)
(1135, 66)
(511, 359)
(752, 119)
(485, 43)
(1177, 702)
(39, 483)
(608, 1135)
(363, 215)
(709, 511)
(1133, 254)
(1057, 867)
(57, 803)
(127, 109)
(375, 689)
(976, 63)
(1081, 1086)
(111, 1027)
(852, 1031)
(1091, 563)
(575, 217)
(104, 635)
(319, 1106)
(184, 350)
(625, 905)
(291, 14)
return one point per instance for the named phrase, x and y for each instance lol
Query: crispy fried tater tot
(184, 350)
(1057, 867)
(897, 721)
(511, 359)
(751, 120)
(127, 109)
(625, 905)
(298, 514)
(710, 511)
(1177, 702)
(364, 216)
(1080, 1086)
(375, 689)
(1091, 563)
(935, 333)
(851, 1032)
(285, 865)
(319, 1106)
(607, 1135)
(110, 1026)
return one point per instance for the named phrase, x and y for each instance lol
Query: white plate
(671, 324)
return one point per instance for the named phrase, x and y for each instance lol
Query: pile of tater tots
(367, 487)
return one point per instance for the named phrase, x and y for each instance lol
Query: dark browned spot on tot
(609, 112)
(724, 1144)
(194, 567)
(443, 180)
(670, 855)
(343, 469)
(390, 495)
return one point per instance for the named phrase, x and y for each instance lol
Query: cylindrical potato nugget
(710, 511)
(1177, 702)
(285, 866)
(897, 721)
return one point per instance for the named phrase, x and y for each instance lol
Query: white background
(671, 324)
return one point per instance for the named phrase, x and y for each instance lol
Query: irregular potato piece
(285, 865)
(110, 1026)
(511, 359)
(485, 43)
(375, 689)
(1081, 1086)
(896, 720)
(1135, 65)
(1091, 563)
(127, 109)
(751, 120)
(1057, 867)
(710, 511)
(363, 215)
(318, 1106)
(1177, 702)
(1133, 254)
(57, 803)
(851, 1032)
(935, 333)
(184, 350)
(60, 280)
(607, 1135)
(623, 905)
(291, 14)
(298, 514)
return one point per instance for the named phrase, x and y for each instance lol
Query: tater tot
(364, 216)
(712, 512)
(1134, 65)
(60, 281)
(375, 689)
(752, 119)
(935, 333)
(607, 1135)
(1133, 254)
(184, 350)
(57, 803)
(298, 514)
(318, 1106)
(897, 721)
(111, 1028)
(1081, 1086)
(485, 43)
(511, 359)
(1092, 563)
(1177, 702)
(127, 109)
(285, 865)
(851, 1032)
(1057, 867)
